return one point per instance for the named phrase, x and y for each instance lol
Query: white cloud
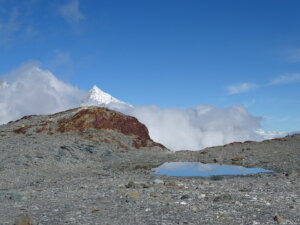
(71, 12)
(9, 25)
(15, 22)
(286, 79)
(293, 55)
(35, 91)
(3, 84)
(271, 134)
(241, 88)
(197, 128)
(280, 80)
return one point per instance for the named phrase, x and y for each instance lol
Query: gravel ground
(71, 179)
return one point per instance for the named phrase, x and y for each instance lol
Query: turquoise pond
(192, 169)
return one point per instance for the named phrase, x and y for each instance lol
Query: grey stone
(279, 219)
(23, 220)
(184, 197)
(158, 181)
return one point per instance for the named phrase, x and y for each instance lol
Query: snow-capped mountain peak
(100, 98)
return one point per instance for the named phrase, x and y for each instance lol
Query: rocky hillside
(81, 137)
(93, 123)
(93, 166)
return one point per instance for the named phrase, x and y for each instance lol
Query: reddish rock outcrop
(80, 120)
(103, 118)
(21, 130)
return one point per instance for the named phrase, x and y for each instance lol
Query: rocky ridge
(83, 121)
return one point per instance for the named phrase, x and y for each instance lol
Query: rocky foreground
(93, 166)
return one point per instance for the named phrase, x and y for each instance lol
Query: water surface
(191, 169)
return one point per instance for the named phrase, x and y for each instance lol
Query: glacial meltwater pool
(197, 169)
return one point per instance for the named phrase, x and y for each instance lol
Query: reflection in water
(191, 169)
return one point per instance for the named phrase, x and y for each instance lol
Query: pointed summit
(100, 96)
(97, 97)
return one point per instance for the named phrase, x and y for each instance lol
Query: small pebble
(279, 219)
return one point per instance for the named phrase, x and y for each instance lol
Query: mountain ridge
(91, 120)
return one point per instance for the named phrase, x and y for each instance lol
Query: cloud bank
(199, 127)
(31, 90)
(35, 91)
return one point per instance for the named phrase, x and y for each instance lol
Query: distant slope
(280, 154)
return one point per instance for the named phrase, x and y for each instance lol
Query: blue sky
(172, 53)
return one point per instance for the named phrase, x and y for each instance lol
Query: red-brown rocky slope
(87, 122)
